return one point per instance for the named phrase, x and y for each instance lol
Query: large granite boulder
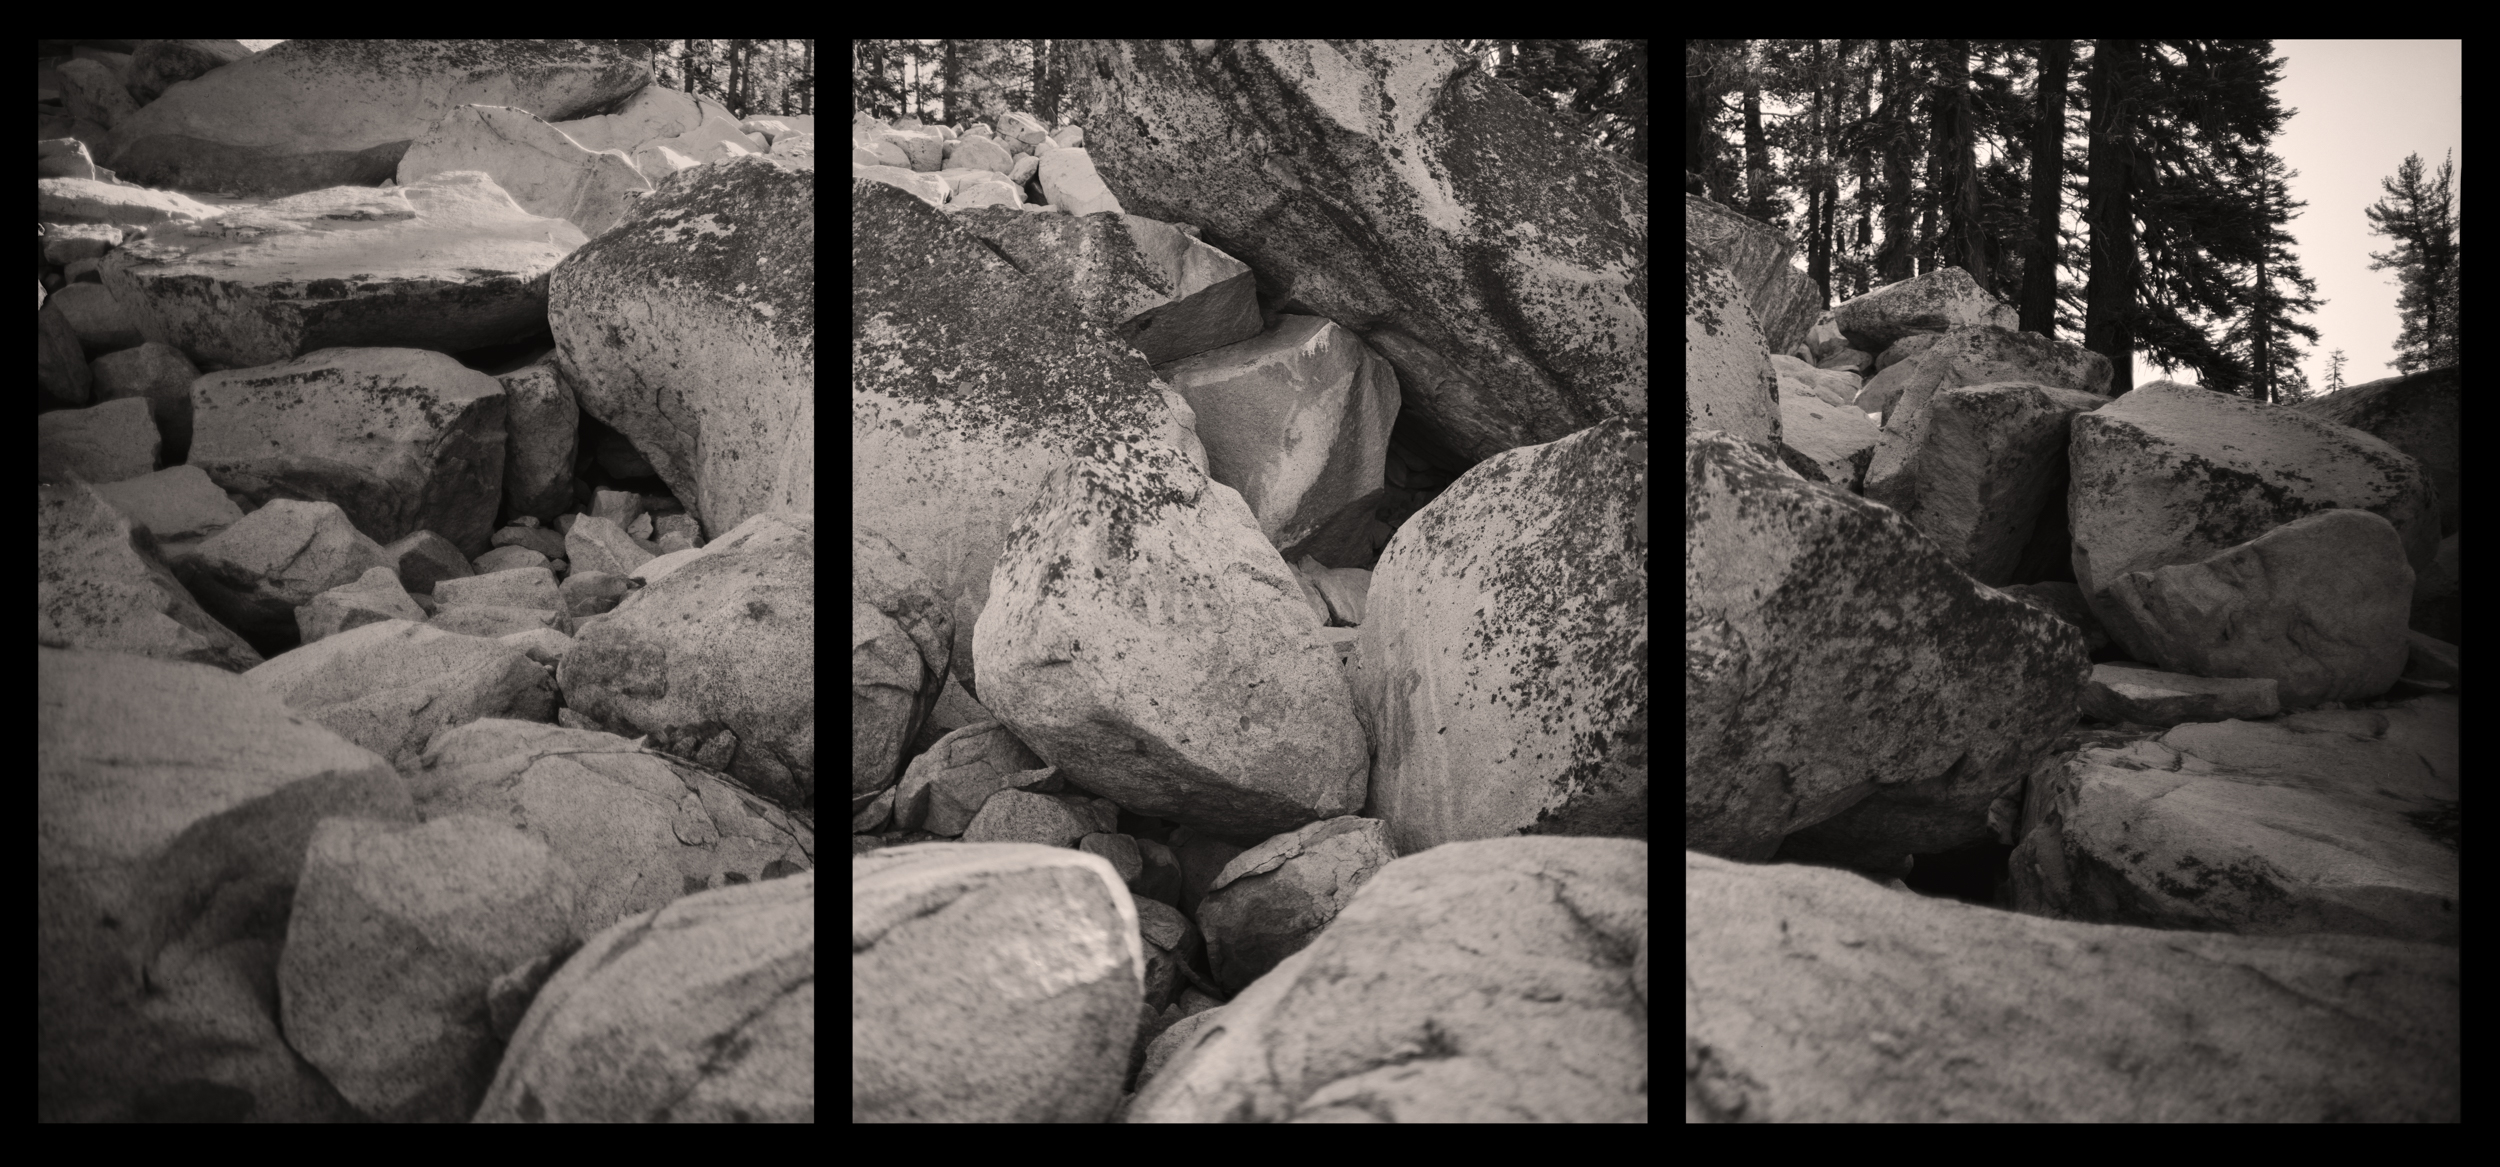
(1538, 722)
(2173, 474)
(1728, 381)
(2417, 413)
(1763, 263)
(1814, 995)
(1849, 692)
(1939, 301)
(1394, 189)
(308, 114)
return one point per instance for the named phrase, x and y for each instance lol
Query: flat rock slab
(1816, 995)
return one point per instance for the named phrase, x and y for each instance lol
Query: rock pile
(1225, 602)
(2159, 662)
(406, 625)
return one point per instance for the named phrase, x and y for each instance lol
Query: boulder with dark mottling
(1762, 261)
(2417, 413)
(1503, 666)
(1729, 384)
(969, 384)
(2175, 474)
(1848, 689)
(1145, 640)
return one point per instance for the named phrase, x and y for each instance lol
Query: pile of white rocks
(1011, 165)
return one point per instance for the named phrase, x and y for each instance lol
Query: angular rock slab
(1837, 662)
(1297, 419)
(2122, 691)
(1814, 995)
(1501, 980)
(1968, 357)
(702, 1011)
(1274, 899)
(2328, 821)
(447, 263)
(542, 169)
(313, 113)
(724, 645)
(2174, 473)
(173, 805)
(396, 931)
(99, 587)
(1729, 384)
(2318, 605)
(639, 828)
(1386, 190)
(902, 645)
(1142, 637)
(1940, 301)
(390, 686)
(1762, 262)
(991, 982)
(1990, 461)
(690, 327)
(2420, 414)
(1503, 662)
(969, 383)
(401, 439)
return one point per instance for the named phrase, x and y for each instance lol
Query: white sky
(2359, 108)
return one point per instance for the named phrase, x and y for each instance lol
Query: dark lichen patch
(1577, 653)
(938, 318)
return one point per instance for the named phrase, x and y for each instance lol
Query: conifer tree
(2260, 338)
(2164, 133)
(2422, 220)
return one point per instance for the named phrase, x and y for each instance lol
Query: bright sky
(2359, 108)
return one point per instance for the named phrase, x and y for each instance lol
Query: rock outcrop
(1763, 263)
(426, 591)
(1184, 631)
(2096, 667)
(1383, 191)
(1814, 995)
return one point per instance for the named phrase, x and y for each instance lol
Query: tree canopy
(751, 78)
(2422, 219)
(1889, 159)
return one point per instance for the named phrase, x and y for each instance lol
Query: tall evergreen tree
(2335, 371)
(1712, 70)
(2260, 339)
(2164, 133)
(2423, 222)
(2113, 281)
(2048, 160)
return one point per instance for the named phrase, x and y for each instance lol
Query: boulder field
(426, 589)
(1249, 650)
(2098, 756)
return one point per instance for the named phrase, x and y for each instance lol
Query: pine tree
(2048, 160)
(2259, 338)
(2164, 134)
(2422, 221)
